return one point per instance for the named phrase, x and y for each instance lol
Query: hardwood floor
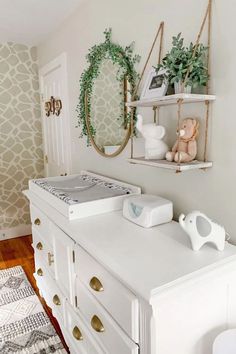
(18, 251)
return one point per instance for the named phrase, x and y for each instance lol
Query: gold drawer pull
(37, 222)
(39, 246)
(50, 258)
(77, 334)
(95, 284)
(97, 325)
(56, 300)
(40, 272)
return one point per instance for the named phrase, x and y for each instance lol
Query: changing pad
(82, 188)
(82, 195)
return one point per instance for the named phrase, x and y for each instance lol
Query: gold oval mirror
(106, 86)
(108, 116)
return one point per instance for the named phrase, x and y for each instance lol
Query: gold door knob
(50, 258)
(56, 300)
(40, 272)
(96, 285)
(97, 325)
(39, 246)
(77, 333)
(37, 222)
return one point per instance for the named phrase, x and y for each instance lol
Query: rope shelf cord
(160, 33)
(156, 110)
(207, 16)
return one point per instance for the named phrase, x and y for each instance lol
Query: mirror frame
(92, 140)
(126, 60)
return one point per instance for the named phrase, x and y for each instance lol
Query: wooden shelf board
(171, 165)
(171, 100)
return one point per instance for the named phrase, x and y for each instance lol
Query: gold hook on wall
(54, 106)
(57, 106)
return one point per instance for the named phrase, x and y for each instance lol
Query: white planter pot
(180, 89)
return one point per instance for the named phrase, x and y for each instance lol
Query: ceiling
(30, 21)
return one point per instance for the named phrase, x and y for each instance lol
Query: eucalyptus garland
(107, 50)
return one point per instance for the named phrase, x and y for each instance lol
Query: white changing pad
(82, 195)
(81, 188)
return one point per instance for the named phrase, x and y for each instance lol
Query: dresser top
(147, 261)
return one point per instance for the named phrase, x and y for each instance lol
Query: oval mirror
(106, 86)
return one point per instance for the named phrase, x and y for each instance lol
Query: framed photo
(155, 85)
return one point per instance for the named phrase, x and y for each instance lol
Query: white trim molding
(20, 230)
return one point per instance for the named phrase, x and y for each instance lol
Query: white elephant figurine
(202, 229)
(155, 147)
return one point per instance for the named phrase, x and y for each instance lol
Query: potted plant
(182, 60)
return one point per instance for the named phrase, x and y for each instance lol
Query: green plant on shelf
(181, 60)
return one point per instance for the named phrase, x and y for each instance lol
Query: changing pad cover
(81, 188)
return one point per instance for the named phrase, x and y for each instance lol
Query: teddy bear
(185, 148)
(155, 147)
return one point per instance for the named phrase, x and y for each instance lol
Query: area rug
(25, 328)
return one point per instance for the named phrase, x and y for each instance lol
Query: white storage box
(148, 210)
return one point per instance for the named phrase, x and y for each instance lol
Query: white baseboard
(21, 230)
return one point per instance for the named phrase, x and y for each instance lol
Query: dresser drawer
(78, 337)
(42, 277)
(51, 294)
(56, 301)
(111, 337)
(43, 250)
(41, 223)
(117, 299)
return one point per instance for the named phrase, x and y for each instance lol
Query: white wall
(213, 191)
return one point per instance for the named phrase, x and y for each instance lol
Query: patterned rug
(24, 326)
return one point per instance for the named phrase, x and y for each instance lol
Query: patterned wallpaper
(106, 106)
(21, 155)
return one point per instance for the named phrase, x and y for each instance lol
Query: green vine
(107, 50)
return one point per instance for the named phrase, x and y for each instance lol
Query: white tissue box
(148, 210)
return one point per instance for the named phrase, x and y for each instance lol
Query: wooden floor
(18, 251)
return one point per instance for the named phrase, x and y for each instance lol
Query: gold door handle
(39, 246)
(77, 333)
(97, 325)
(96, 285)
(50, 258)
(40, 272)
(37, 222)
(56, 300)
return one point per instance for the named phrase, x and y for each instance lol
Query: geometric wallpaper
(21, 156)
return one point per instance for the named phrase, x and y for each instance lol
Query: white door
(56, 129)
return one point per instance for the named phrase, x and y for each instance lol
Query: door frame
(59, 61)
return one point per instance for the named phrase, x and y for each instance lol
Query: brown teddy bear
(185, 150)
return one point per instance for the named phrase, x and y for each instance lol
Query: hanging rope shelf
(179, 100)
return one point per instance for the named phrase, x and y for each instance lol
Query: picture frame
(156, 84)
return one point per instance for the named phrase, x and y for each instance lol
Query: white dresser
(117, 288)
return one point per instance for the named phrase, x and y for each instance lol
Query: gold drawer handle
(56, 300)
(95, 284)
(39, 246)
(37, 222)
(40, 272)
(77, 333)
(50, 258)
(97, 325)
